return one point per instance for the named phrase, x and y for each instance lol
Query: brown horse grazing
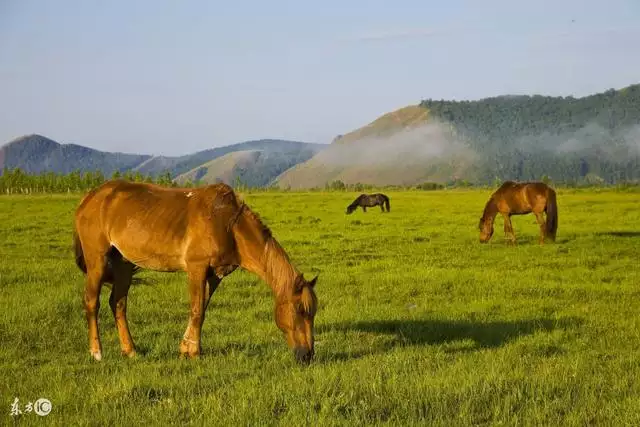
(207, 232)
(520, 199)
(368, 201)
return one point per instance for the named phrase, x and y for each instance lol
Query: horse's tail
(386, 203)
(552, 215)
(77, 248)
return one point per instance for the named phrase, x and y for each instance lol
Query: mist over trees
(567, 139)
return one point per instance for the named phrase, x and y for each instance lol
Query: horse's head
(294, 316)
(486, 230)
(351, 208)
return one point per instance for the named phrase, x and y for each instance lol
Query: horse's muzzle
(303, 355)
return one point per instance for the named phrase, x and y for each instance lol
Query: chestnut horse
(368, 201)
(519, 199)
(207, 232)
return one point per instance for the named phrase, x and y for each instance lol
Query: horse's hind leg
(96, 264)
(190, 344)
(123, 273)
(541, 223)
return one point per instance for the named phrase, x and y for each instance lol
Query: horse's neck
(269, 261)
(261, 254)
(490, 211)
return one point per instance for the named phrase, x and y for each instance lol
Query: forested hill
(566, 138)
(592, 139)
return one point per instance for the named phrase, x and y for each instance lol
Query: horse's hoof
(130, 354)
(97, 355)
(188, 355)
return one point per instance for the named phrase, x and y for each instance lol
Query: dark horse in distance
(207, 232)
(519, 199)
(368, 201)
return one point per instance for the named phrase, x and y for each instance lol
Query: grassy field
(418, 322)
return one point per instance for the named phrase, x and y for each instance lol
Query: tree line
(16, 181)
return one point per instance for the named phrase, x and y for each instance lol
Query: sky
(171, 77)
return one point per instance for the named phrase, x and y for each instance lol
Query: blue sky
(173, 77)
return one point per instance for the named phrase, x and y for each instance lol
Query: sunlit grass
(418, 322)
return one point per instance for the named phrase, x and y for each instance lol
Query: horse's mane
(279, 271)
(255, 218)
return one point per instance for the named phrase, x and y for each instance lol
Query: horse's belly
(151, 257)
(159, 263)
(520, 211)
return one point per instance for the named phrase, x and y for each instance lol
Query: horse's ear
(313, 281)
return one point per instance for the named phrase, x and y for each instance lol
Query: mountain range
(269, 157)
(594, 138)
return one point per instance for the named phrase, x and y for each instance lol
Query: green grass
(418, 322)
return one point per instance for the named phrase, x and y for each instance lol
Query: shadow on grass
(401, 333)
(532, 240)
(625, 233)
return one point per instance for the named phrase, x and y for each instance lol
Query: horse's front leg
(508, 228)
(213, 280)
(364, 208)
(96, 264)
(92, 289)
(190, 344)
(123, 273)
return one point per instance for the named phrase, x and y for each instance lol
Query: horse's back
(529, 186)
(150, 196)
(154, 226)
(539, 187)
(521, 197)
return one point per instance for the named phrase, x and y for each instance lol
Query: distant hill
(399, 148)
(517, 137)
(37, 154)
(254, 168)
